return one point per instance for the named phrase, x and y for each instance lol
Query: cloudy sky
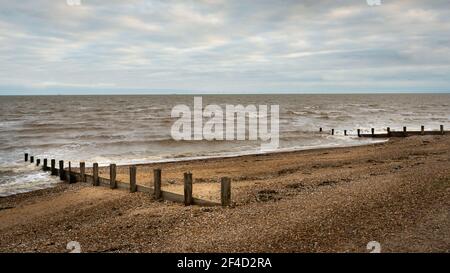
(223, 46)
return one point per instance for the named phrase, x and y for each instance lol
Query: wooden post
(82, 172)
(45, 166)
(187, 189)
(404, 131)
(332, 132)
(373, 132)
(31, 159)
(95, 174)
(225, 191)
(422, 130)
(442, 129)
(38, 162)
(112, 176)
(69, 175)
(359, 132)
(320, 130)
(388, 129)
(345, 132)
(26, 157)
(52, 168)
(61, 170)
(157, 183)
(133, 187)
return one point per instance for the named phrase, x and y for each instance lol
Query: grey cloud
(217, 46)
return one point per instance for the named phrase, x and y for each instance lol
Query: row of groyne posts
(390, 133)
(187, 198)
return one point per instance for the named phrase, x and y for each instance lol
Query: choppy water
(134, 129)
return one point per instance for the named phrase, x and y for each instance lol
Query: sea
(131, 129)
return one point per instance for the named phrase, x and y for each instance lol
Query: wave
(137, 129)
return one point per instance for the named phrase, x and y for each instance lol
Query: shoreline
(280, 151)
(322, 200)
(184, 160)
(205, 188)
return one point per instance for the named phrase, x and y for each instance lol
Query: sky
(223, 46)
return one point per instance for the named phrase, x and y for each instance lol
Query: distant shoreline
(231, 94)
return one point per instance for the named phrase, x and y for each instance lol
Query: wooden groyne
(70, 176)
(389, 133)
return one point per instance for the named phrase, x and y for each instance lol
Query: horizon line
(231, 93)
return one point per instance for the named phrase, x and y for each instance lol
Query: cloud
(72, 85)
(225, 46)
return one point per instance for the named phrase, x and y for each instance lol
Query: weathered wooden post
(157, 183)
(82, 172)
(52, 168)
(332, 132)
(26, 157)
(61, 170)
(404, 131)
(442, 129)
(31, 159)
(45, 165)
(112, 176)
(373, 132)
(187, 189)
(133, 187)
(422, 130)
(359, 132)
(69, 175)
(320, 130)
(225, 191)
(95, 182)
(388, 130)
(38, 162)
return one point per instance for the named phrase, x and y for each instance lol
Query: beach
(396, 193)
(136, 129)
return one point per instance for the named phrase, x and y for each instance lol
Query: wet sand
(325, 200)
